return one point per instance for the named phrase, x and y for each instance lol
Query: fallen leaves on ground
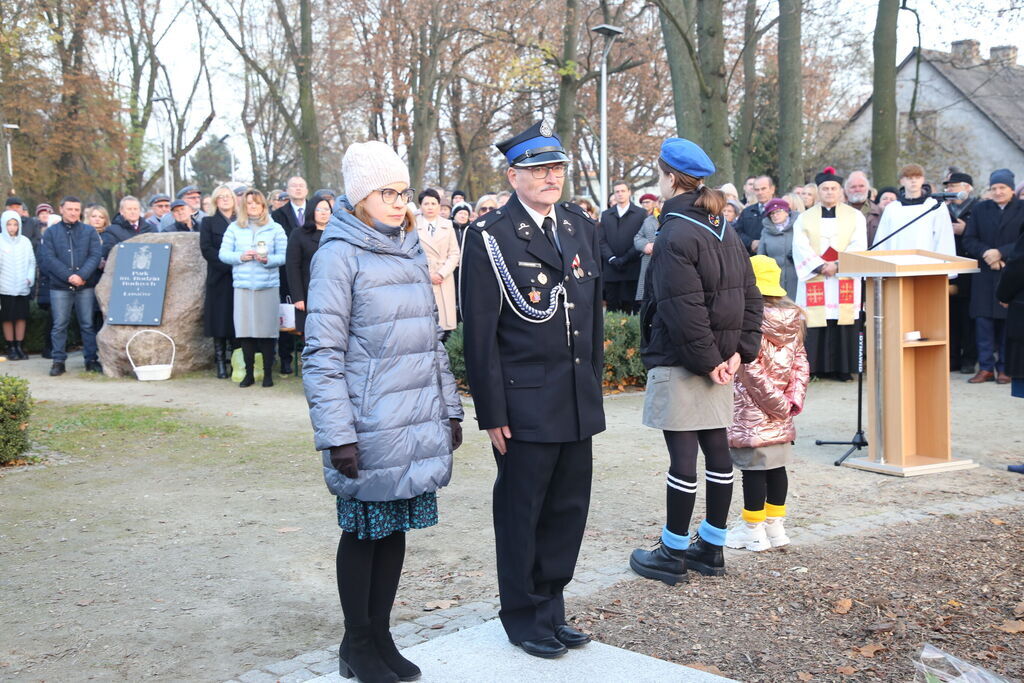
(843, 606)
(1011, 626)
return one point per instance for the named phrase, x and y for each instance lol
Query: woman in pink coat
(441, 245)
(769, 393)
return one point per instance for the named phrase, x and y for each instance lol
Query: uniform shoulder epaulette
(487, 221)
(572, 207)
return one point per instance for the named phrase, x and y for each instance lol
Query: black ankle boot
(21, 352)
(248, 380)
(358, 657)
(220, 358)
(661, 564)
(403, 668)
(11, 355)
(706, 558)
(268, 373)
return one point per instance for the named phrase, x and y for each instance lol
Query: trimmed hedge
(15, 408)
(622, 365)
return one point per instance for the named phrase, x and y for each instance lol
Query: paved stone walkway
(311, 665)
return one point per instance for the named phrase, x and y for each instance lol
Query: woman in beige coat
(441, 245)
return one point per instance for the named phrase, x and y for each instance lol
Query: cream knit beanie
(369, 166)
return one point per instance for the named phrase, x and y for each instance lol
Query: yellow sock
(774, 510)
(753, 516)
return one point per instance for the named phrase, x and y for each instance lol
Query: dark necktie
(549, 230)
(301, 215)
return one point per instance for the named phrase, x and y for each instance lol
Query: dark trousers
(991, 344)
(621, 296)
(541, 500)
(286, 345)
(963, 344)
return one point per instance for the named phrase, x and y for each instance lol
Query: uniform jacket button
(577, 361)
(576, 333)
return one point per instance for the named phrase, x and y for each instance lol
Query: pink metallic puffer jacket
(770, 391)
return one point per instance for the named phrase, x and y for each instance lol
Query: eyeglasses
(389, 196)
(486, 209)
(541, 172)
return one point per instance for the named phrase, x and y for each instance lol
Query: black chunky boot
(220, 357)
(661, 564)
(268, 369)
(358, 656)
(11, 355)
(706, 558)
(403, 668)
(21, 352)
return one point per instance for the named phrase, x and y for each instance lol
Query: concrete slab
(483, 653)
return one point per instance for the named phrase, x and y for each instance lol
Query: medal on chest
(577, 269)
(534, 296)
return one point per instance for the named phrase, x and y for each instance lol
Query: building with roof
(967, 112)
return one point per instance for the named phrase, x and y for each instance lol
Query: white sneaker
(776, 532)
(743, 535)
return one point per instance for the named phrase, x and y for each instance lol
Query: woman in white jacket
(17, 274)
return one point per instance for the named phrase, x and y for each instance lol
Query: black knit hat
(829, 174)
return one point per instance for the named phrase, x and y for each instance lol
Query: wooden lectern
(908, 396)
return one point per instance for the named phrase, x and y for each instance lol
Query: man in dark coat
(129, 221)
(992, 228)
(290, 216)
(618, 227)
(531, 304)
(748, 225)
(963, 345)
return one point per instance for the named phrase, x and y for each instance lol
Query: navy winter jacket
(68, 250)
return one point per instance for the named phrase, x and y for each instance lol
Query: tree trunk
(568, 88)
(746, 131)
(790, 95)
(685, 90)
(884, 138)
(309, 135)
(714, 110)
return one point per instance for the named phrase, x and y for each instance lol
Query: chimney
(966, 52)
(1005, 55)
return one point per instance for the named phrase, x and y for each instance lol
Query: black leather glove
(456, 433)
(346, 460)
(617, 263)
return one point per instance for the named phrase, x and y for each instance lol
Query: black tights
(251, 346)
(368, 575)
(764, 485)
(681, 491)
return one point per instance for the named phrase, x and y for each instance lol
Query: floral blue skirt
(377, 519)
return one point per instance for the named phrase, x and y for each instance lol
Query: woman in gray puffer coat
(777, 241)
(382, 399)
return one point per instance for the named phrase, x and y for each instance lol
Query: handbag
(286, 315)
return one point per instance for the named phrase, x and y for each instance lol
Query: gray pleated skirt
(256, 313)
(762, 457)
(679, 401)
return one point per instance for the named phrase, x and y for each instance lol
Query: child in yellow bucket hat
(769, 393)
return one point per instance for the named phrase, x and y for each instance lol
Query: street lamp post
(610, 33)
(231, 152)
(168, 189)
(7, 140)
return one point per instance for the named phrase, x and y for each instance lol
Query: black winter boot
(11, 355)
(268, 369)
(661, 564)
(403, 668)
(249, 355)
(21, 352)
(220, 357)
(358, 656)
(706, 558)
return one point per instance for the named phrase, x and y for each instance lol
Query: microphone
(945, 196)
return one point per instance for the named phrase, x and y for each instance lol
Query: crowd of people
(741, 302)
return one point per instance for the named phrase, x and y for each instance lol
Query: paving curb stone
(442, 622)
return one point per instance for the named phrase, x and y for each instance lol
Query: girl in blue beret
(701, 317)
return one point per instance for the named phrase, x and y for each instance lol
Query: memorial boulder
(181, 316)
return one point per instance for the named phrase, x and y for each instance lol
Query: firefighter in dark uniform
(534, 333)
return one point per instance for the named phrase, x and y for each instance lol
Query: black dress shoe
(286, 365)
(705, 558)
(56, 369)
(93, 366)
(570, 637)
(661, 564)
(546, 648)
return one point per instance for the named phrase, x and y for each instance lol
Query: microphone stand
(859, 441)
